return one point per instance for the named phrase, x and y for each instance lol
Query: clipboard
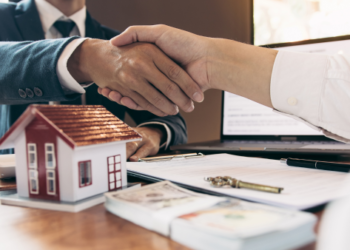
(171, 157)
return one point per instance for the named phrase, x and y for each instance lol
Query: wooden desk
(7, 184)
(94, 228)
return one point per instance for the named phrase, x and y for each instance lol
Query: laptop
(247, 126)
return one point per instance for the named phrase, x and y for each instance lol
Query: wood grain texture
(94, 228)
(7, 184)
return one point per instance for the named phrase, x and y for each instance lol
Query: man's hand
(152, 137)
(139, 71)
(190, 51)
(223, 64)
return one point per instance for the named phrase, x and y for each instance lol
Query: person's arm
(313, 88)
(141, 71)
(213, 63)
(28, 71)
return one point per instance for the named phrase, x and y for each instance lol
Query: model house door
(114, 172)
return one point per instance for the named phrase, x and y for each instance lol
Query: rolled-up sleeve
(315, 89)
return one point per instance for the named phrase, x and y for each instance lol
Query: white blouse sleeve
(314, 88)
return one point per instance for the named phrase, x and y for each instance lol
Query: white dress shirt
(314, 89)
(48, 16)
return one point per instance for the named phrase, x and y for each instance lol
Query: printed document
(303, 188)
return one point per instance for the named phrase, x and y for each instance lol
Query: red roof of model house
(78, 125)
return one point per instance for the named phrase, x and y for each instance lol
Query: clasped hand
(139, 71)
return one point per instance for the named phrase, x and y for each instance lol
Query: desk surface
(94, 228)
(7, 184)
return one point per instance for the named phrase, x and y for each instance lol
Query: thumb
(133, 34)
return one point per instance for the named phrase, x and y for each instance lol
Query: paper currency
(158, 197)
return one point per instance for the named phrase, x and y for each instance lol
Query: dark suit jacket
(32, 64)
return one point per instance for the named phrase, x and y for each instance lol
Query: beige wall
(215, 18)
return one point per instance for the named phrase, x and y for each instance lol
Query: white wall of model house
(98, 155)
(68, 170)
(65, 167)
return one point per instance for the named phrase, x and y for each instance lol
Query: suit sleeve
(29, 65)
(176, 124)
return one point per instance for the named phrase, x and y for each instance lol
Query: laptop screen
(245, 117)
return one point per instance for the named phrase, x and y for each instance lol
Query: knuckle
(137, 63)
(158, 102)
(126, 77)
(150, 107)
(130, 29)
(153, 145)
(174, 71)
(160, 26)
(170, 89)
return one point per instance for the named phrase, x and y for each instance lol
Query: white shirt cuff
(165, 145)
(68, 83)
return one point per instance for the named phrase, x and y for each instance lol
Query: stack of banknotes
(208, 222)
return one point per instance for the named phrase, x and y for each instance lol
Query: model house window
(33, 182)
(50, 155)
(114, 172)
(85, 173)
(32, 156)
(51, 182)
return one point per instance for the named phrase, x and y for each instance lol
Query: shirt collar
(50, 14)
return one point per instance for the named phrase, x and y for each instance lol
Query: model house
(67, 152)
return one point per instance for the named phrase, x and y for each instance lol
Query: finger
(142, 152)
(110, 94)
(176, 74)
(99, 90)
(105, 92)
(131, 148)
(142, 102)
(169, 88)
(131, 103)
(137, 33)
(115, 96)
(126, 101)
(154, 97)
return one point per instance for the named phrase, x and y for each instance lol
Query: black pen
(338, 167)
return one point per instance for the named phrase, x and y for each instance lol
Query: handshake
(161, 69)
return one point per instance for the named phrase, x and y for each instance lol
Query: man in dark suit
(46, 70)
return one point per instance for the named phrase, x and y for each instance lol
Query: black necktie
(64, 27)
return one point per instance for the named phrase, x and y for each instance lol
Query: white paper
(303, 188)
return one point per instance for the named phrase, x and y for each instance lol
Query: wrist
(78, 64)
(242, 69)
(159, 131)
(220, 61)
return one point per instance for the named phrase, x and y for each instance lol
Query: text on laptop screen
(245, 117)
(281, 21)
